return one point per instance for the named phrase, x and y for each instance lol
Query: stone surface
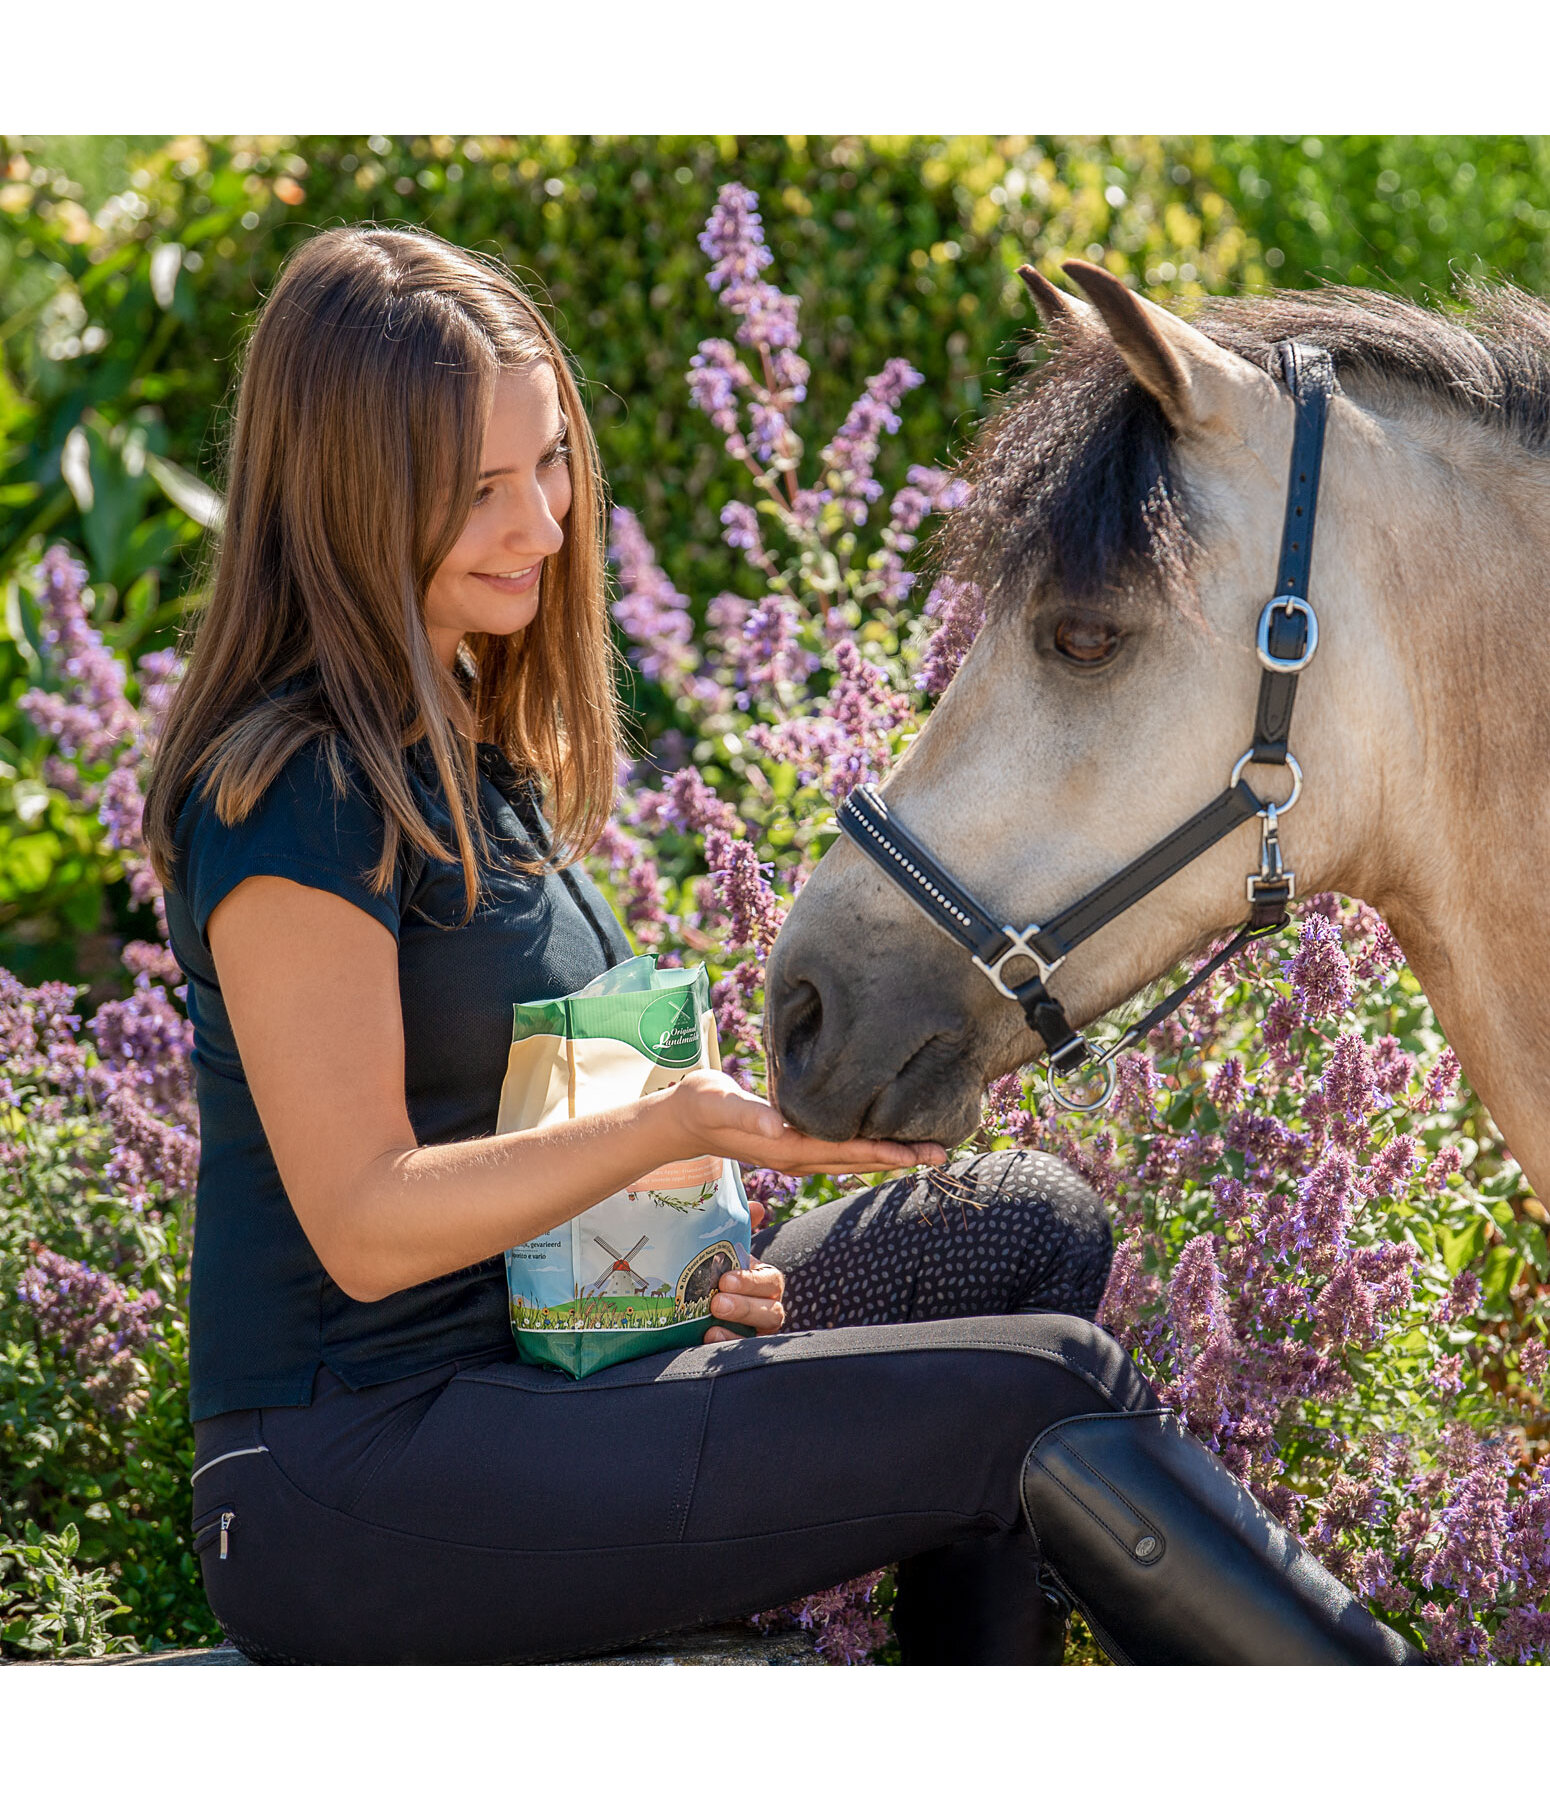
(726, 1646)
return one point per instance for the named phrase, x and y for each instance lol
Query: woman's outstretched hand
(722, 1119)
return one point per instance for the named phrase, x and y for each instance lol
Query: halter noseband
(1286, 640)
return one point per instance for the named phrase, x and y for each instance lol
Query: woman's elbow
(363, 1285)
(346, 1232)
(358, 1276)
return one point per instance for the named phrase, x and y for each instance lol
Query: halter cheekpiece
(1285, 643)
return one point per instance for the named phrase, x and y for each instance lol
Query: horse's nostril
(800, 1025)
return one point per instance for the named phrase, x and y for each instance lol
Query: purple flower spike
(716, 377)
(1320, 973)
(748, 902)
(95, 1322)
(851, 453)
(733, 239)
(91, 718)
(959, 609)
(650, 610)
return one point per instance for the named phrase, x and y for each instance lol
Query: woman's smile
(513, 581)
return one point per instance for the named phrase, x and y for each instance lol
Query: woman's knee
(1033, 1177)
(1108, 1379)
(1066, 1219)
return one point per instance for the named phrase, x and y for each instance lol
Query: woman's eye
(482, 494)
(560, 453)
(1086, 641)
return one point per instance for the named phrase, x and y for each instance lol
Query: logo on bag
(669, 1031)
(702, 1277)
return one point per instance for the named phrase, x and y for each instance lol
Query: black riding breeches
(493, 1511)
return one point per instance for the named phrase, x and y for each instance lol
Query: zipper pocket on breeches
(217, 1529)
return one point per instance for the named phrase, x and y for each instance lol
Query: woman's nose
(532, 526)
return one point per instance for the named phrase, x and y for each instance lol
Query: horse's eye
(1085, 640)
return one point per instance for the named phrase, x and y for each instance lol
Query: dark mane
(1074, 483)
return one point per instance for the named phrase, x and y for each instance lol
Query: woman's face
(489, 581)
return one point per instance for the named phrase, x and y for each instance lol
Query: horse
(1126, 513)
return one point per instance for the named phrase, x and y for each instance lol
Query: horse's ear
(1057, 311)
(1199, 385)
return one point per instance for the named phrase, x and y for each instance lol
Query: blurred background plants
(778, 651)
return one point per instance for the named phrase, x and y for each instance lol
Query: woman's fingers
(751, 1296)
(765, 1316)
(799, 1155)
(732, 1122)
(760, 1279)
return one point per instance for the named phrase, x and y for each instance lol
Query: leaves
(51, 1607)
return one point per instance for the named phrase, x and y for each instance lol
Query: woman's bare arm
(311, 987)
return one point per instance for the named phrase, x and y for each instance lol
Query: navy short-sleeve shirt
(264, 1314)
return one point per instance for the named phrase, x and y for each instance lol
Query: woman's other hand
(751, 1296)
(722, 1119)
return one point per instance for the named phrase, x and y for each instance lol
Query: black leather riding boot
(978, 1603)
(1171, 1560)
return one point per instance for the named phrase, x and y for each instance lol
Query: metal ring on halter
(1283, 807)
(1019, 946)
(1283, 665)
(1105, 1065)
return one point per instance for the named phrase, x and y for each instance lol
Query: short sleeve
(304, 828)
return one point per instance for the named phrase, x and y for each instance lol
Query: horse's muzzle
(866, 1049)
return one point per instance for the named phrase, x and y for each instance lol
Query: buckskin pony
(1125, 528)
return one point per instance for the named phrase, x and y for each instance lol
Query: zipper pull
(226, 1522)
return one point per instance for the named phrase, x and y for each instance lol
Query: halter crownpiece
(1285, 642)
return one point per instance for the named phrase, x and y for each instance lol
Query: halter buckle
(1286, 665)
(1019, 946)
(1274, 882)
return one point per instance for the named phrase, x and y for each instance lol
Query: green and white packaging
(634, 1274)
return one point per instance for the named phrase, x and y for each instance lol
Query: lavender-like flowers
(95, 1322)
(650, 610)
(89, 718)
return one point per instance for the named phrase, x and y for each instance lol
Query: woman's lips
(512, 584)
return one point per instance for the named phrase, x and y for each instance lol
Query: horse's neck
(1483, 965)
(1468, 825)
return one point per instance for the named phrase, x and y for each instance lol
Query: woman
(396, 734)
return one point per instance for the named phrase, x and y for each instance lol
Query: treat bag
(634, 1274)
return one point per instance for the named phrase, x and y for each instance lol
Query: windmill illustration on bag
(619, 1280)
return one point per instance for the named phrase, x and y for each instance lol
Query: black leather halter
(1286, 640)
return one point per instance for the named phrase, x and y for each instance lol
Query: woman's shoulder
(302, 772)
(300, 806)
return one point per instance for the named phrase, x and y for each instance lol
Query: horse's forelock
(1073, 486)
(1074, 483)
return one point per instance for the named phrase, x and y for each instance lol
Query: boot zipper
(226, 1523)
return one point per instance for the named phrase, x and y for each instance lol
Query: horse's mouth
(933, 1097)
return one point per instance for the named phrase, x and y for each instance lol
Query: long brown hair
(352, 468)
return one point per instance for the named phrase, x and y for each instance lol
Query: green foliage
(1406, 214)
(52, 1607)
